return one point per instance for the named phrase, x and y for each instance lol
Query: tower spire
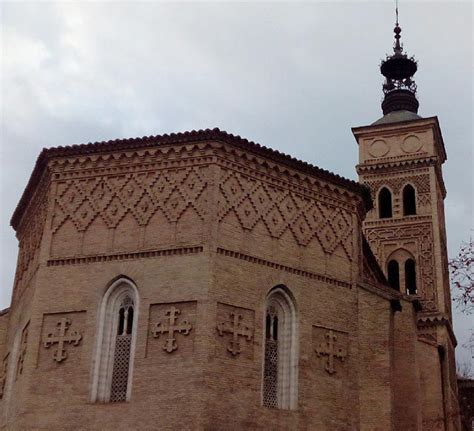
(396, 10)
(399, 87)
(397, 31)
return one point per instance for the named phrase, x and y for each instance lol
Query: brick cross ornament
(237, 329)
(171, 328)
(331, 351)
(61, 339)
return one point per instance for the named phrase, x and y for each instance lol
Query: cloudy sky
(292, 76)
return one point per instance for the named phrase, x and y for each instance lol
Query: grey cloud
(292, 76)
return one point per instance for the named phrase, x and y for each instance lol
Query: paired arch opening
(402, 274)
(385, 202)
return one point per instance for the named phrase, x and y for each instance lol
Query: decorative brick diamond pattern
(141, 194)
(281, 210)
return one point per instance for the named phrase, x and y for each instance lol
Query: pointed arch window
(410, 277)
(280, 368)
(409, 200)
(393, 274)
(116, 343)
(385, 203)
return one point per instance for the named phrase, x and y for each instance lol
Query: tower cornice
(437, 320)
(396, 164)
(398, 128)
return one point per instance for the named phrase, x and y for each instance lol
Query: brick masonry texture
(208, 227)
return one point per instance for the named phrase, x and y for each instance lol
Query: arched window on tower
(410, 277)
(280, 368)
(385, 203)
(409, 200)
(393, 274)
(116, 343)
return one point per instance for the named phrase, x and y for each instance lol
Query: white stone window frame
(107, 326)
(288, 347)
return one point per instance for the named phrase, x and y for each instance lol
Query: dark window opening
(409, 200)
(268, 325)
(385, 203)
(121, 324)
(275, 328)
(271, 327)
(130, 320)
(410, 277)
(393, 274)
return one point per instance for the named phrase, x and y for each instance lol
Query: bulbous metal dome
(399, 87)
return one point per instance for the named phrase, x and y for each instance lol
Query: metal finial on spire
(396, 11)
(397, 30)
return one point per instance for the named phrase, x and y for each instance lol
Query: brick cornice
(281, 267)
(437, 319)
(200, 136)
(403, 221)
(380, 290)
(78, 260)
(397, 164)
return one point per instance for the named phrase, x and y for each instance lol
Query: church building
(201, 281)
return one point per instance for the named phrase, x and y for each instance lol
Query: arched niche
(402, 271)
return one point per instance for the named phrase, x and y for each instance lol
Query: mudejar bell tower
(400, 160)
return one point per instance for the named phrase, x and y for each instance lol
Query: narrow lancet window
(280, 368)
(410, 277)
(409, 200)
(115, 343)
(393, 274)
(385, 203)
(123, 341)
(271, 360)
